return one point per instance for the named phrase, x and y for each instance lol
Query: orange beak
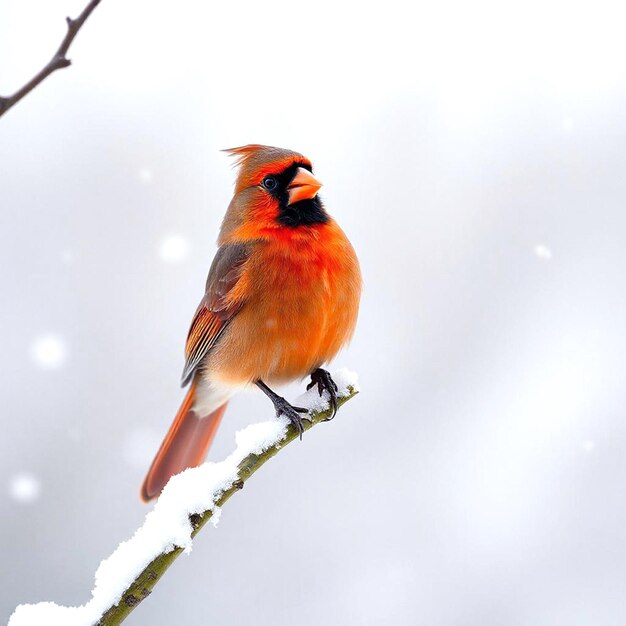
(304, 186)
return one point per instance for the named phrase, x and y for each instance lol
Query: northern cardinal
(281, 299)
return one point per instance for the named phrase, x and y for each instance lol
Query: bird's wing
(223, 298)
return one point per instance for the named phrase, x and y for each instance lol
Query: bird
(281, 299)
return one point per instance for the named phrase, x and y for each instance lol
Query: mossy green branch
(143, 585)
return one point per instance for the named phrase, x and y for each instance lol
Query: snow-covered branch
(187, 503)
(58, 61)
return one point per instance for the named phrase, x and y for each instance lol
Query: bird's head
(275, 189)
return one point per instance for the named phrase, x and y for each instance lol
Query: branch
(57, 62)
(187, 503)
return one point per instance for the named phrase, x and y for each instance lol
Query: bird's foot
(293, 413)
(324, 382)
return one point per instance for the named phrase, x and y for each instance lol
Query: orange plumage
(281, 299)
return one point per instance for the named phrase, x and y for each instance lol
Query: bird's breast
(301, 307)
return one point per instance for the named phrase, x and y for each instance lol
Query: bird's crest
(243, 153)
(255, 161)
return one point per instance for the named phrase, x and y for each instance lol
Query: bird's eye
(270, 183)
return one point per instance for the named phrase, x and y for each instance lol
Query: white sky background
(475, 155)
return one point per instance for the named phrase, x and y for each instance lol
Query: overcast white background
(475, 154)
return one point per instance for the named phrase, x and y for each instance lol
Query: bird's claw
(292, 413)
(324, 382)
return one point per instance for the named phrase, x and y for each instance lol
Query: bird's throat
(303, 213)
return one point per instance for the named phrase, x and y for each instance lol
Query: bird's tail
(185, 444)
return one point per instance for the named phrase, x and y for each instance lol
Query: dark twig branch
(58, 61)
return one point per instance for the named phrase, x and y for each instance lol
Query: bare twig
(58, 61)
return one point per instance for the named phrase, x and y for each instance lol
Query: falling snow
(145, 175)
(543, 252)
(24, 487)
(49, 351)
(174, 249)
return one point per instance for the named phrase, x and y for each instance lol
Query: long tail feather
(185, 445)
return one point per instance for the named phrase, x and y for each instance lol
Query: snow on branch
(189, 500)
(58, 61)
